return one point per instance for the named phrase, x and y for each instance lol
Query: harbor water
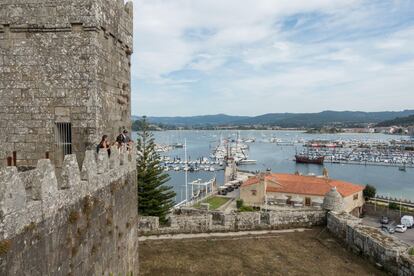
(278, 157)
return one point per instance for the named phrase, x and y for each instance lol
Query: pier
(359, 163)
(390, 154)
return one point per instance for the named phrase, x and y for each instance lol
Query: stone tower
(333, 201)
(65, 76)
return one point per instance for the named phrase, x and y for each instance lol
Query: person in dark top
(104, 144)
(123, 138)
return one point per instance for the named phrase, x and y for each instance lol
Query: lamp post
(186, 173)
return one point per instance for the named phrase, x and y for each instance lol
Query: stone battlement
(33, 196)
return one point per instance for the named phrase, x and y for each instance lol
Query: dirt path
(218, 235)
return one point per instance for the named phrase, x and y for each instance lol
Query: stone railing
(29, 197)
(198, 221)
(379, 248)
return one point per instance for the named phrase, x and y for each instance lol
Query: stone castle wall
(379, 248)
(70, 221)
(62, 62)
(196, 221)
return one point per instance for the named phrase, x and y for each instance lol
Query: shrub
(411, 251)
(29, 227)
(394, 206)
(369, 191)
(5, 246)
(73, 217)
(87, 205)
(239, 203)
(246, 209)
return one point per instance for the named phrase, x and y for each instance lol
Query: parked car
(387, 228)
(385, 220)
(400, 228)
(407, 221)
(222, 190)
(229, 187)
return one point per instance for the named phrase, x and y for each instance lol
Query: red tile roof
(251, 181)
(305, 185)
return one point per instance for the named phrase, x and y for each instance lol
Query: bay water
(389, 181)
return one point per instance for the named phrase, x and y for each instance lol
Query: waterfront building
(298, 190)
(65, 76)
(411, 132)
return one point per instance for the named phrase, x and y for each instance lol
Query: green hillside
(400, 121)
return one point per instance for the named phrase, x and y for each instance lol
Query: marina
(395, 180)
(200, 164)
(382, 153)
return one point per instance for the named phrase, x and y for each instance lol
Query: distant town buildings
(298, 190)
(411, 131)
(393, 130)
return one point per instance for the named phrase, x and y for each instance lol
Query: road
(234, 194)
(407, 237)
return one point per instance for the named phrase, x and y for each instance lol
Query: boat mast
(186, 173)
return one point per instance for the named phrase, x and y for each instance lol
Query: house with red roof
(298, 190)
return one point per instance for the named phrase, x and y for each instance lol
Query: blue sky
(250, 57)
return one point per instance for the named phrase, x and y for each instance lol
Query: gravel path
(218, 235)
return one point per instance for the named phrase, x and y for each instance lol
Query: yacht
(247, 162)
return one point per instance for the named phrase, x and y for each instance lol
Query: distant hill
(400, 121)
(219, 119)
(324, 118)
(293, 120)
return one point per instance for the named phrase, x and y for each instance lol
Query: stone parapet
(187, 220)
(376, 246)
(71, 221)
(33, 196)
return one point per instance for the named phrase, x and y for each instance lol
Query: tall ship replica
(307, 159)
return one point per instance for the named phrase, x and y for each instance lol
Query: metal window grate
(63, 138)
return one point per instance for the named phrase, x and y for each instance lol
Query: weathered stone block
(12, 191)
(62, 111)
(89, 167)
(103, 161)
(70, 173)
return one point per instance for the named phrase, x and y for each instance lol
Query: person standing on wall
(123, 139)
(104, 144)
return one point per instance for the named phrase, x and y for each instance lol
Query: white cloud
(270, 55)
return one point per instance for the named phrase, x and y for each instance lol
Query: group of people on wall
(121, 140)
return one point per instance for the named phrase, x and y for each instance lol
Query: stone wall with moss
(188, 220)
(381, 249)
(71, 221)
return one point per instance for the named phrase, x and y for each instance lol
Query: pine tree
(154, 197)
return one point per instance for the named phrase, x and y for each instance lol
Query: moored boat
(305, 159)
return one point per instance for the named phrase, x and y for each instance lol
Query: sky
(251, 57)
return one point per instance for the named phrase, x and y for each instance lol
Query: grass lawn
(280, 254)
(214, 201)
